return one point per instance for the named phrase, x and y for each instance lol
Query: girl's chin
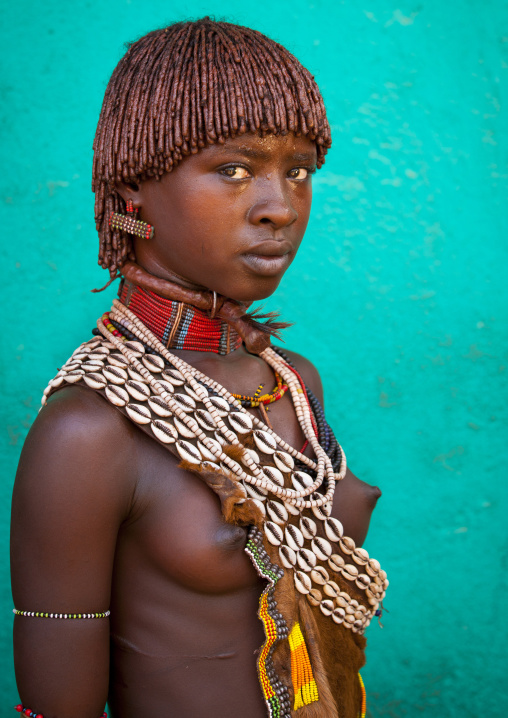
(261, 289)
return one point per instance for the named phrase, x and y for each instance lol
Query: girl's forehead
(257, 147)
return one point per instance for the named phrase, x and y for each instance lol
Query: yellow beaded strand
(304, 685)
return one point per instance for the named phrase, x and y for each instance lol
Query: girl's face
(231, 217)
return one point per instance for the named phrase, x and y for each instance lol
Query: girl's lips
(267, 265)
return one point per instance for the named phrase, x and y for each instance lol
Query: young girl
(185, 534)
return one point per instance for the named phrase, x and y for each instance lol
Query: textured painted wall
(398, 293)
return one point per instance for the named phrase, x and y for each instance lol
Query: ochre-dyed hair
(183, 88)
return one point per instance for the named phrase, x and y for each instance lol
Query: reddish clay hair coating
(183, 88)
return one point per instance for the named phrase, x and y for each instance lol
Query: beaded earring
(129, 222)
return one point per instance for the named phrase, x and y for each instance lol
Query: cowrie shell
(135, 347)
(256, 492)
(302, 582)
(158, 406)
(191, 393)
(319, 575)
(55, 383)
(363, 581)
(338, 615)
(135, 375)
(321, 512)
(333, 529)
(336, 562)
(350, 570)
(205, 452)
(277, 512)
(349, 618)
(321, 547)
(74, 376)
(273, 533)
(118, 359)
(205, 419)
(71, 366)
(331, 589)
(95, 381)
(240, 422)
(347, 544)
(188, 451)
(138, 413)
(184, 402)
(182, 429)
(314, 597)
(102, 349)
(274, 475)
(220, 405)
(294, 537)
(287, 556)
(138, 391)
(164, 431)
(174, 376)
(291, 509)
(264, 441)
(116, 395)
(305, 559)
(308, 527)
(93, 366)
(361, 556)
(115, 375)
(222, 441)
(347, 576)
(259, 505)
(169, 388)
(213, 446)
(283, 461)
(252, 454)
(373, 567)
(326, 607)
(153, 363)
(302, 479)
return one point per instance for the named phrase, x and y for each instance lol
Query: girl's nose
(274, 208)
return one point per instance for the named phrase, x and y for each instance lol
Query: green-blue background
(399, 293)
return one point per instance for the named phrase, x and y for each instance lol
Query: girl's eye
(299, 173)
(235, 172)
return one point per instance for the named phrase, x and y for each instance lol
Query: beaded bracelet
(41, 614)
(31, 714)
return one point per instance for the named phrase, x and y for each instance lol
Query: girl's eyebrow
(257, 154)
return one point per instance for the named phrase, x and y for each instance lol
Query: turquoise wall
(398, 293)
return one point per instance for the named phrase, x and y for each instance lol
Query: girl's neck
(178, 325)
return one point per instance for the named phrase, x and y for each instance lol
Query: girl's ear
(130, 191)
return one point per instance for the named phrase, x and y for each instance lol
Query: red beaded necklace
(178, 325)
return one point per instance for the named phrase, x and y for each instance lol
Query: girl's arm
(72, 491)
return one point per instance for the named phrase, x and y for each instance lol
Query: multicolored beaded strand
(32, 714)
(304, 684)
(266, 399)
(363, 710)
(42, 614)
(178, 325)
(275, 693)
